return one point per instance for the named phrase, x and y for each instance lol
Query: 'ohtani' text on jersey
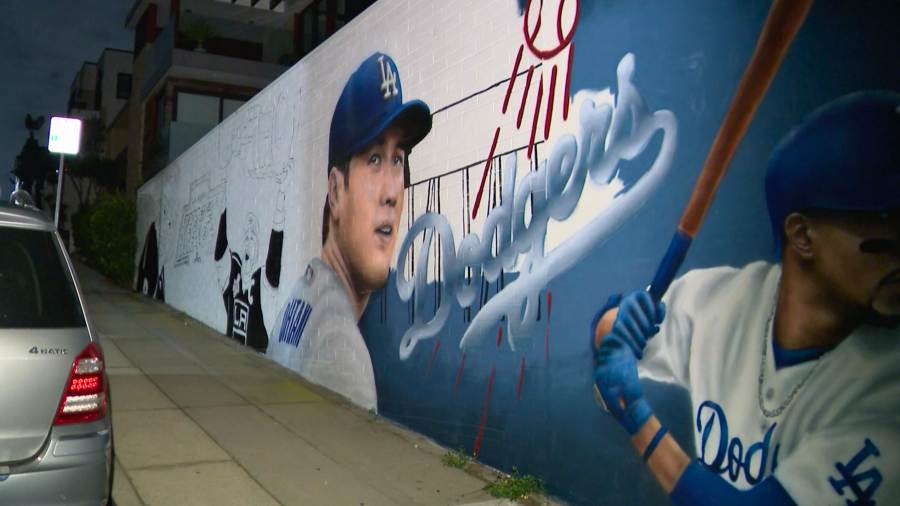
(296, 316)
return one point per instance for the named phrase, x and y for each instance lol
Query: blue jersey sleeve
(699, 486)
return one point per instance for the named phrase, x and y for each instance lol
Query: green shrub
(514, 486)
(81, 231)
(113, 222)
(458, 460)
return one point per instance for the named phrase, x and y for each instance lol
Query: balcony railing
(223, 46)
(158, 59)
(219, 54)
(82, 99)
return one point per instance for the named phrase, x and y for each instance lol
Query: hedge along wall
(554, 176)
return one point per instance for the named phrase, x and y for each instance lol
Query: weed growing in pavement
(514, 486)
(373, 416)
(458, 459)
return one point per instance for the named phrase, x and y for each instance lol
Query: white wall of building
(111, 63)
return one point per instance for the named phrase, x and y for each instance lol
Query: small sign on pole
(65, 135)
(65, 138)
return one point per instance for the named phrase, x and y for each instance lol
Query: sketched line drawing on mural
(553, 191)
(262, 136)
(198, 226)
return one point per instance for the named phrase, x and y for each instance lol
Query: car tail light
(84, 399)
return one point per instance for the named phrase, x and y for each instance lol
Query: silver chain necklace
(762, 366)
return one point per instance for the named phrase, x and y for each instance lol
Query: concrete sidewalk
(201, 420)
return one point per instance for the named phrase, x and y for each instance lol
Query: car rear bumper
(72, 468)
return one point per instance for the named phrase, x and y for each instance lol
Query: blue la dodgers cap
(843, 156)
(372, 101)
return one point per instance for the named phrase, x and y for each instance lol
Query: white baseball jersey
(836, 442)
(316, 334)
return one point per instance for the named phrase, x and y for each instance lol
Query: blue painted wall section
(690, 57)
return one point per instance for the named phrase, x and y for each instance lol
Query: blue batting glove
(616, 383)
(638, 320)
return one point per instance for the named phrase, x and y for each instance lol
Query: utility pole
(65, 138)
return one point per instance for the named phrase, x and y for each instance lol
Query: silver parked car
(55, 427)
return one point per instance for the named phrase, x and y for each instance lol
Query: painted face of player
(370, 210)
(860, 259)
(251, 248)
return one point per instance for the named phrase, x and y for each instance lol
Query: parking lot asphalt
(201, 420)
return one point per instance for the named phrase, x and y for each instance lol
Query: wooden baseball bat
(782, 24)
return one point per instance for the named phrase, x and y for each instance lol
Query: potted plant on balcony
(199, 31)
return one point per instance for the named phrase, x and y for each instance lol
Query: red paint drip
(487, 165)
(525, 97)
(499, 335)
(547, 341)
(487, 402)
(512, 78)
(568, 81)
(459, 376)
(547, 345)
(521, 375)
(437, 346)
(537, 110)
(552, 94)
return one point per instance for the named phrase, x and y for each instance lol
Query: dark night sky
(42, 47)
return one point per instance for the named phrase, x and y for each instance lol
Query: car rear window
(36, 290)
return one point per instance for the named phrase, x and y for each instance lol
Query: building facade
(198, 61)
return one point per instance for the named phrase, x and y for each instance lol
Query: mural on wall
(841, 460)
(197, 225)
(151, 277)
(530, 195)
(262, 138)
(551, 192)
(809, 309)
(240, 284)
(372, 132)
(792, 329)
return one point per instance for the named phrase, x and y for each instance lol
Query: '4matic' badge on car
(48, 351)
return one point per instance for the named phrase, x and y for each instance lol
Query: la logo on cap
(388, 79)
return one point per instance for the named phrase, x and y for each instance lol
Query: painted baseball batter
(793, 368)
(372, 133)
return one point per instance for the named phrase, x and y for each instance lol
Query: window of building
(197, 109)
(123, 85)
(230, 105)
(204, 109)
